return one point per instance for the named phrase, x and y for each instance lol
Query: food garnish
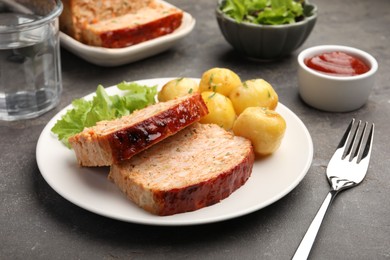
(266, 12)
(85, 113)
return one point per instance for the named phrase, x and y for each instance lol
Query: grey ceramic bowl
(265, 42)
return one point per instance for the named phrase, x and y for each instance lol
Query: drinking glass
(30, 66)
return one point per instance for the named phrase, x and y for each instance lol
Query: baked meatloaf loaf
(195, 168)
(118, 23)
(113, 141)
(77, 14)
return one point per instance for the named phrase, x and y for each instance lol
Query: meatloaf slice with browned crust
(77, 14)
(120, 139)
(118, 23)
(195, 168)
(147, 23)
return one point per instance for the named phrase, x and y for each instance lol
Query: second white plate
(114, 57)
(272, 177)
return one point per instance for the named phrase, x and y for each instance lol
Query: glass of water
(30, 66)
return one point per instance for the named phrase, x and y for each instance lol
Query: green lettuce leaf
(85, 113)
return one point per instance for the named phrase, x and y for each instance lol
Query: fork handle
(307, 242)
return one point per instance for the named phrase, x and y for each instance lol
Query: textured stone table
(37, 223)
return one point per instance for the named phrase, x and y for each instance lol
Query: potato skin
(264, 127)
(177, 88)
(221, 111)
(219, 80)
(254, 93)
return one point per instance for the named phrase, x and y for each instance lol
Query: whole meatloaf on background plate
(118, 23)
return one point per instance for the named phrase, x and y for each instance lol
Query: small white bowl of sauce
(335, 78)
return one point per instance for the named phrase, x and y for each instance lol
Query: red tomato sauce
(337, 63)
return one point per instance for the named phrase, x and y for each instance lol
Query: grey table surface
(37, 223)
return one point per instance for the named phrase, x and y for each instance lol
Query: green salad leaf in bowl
(266, 12)
(265, 29)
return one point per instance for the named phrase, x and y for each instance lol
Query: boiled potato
(219, 80)
(253, 93)
(177, 88)
(221, 111)
(264, 127)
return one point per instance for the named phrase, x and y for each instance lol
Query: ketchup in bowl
(337, 63)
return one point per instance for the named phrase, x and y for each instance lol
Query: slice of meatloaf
(147, 23)
(195, 168)
(77, 14)
(120, 139)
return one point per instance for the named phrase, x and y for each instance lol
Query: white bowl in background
(335, 93)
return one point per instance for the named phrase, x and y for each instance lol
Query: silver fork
(347, 168)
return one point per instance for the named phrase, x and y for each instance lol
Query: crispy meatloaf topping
(120, 139)
(118, 23)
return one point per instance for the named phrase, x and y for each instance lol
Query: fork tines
(357, 140)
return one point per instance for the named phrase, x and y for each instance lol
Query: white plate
(114, 57)
(272, 177)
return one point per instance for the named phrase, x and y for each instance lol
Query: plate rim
(164, 221)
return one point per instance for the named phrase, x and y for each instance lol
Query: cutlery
(346, 169)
